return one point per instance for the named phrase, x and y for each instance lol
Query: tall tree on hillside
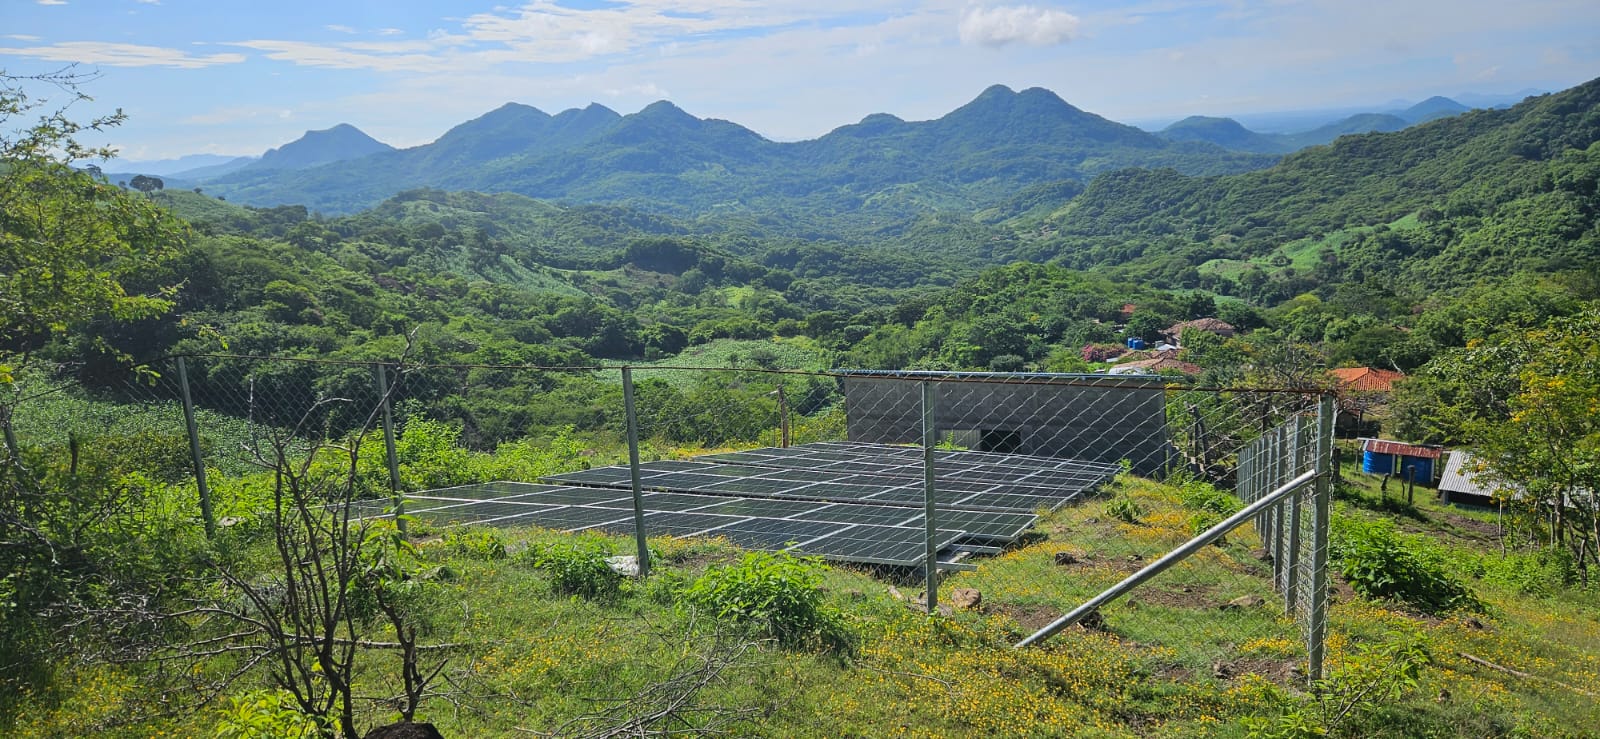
(1528, 401)
(68, 241)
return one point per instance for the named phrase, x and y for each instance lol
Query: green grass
(1304, 254)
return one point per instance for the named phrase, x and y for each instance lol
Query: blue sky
(226, 77)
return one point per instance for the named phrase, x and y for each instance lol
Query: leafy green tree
(68, 243)
(1528, 401)
(147, 184)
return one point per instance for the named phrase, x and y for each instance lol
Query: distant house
(1209, 325)
(1461, 483)
(1414, 462)
(1366, 379)
(1362, 392)
(1154, 366)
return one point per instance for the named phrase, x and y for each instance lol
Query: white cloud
(21, 37)
(342, 56)
(1010, 24)
(337, 28)
(390, 32)
(122, 55)
(148, 2)
(52, 2)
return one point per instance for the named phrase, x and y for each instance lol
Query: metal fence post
(379, 375)
(1317, 630)
(633, 470)
(1291, 565)
(930, 502)
(1275, 513)
(206, 513)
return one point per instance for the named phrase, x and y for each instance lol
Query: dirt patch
(1472, 528)
(1028, 618)
(1280, 671)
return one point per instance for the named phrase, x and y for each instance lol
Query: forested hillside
(1492, 191)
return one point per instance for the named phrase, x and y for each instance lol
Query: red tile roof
(1401, 448)
(1366, 379)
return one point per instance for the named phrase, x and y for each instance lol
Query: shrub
(264, 714)
(1209, 504)
(1124, 508)
(579, 566)
(1539, 572)
(484, 544)
(1381, 563)
(775, 593)
(1201, 496)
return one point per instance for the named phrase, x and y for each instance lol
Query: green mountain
(1228, 133)
(1433, 108)
(337, 144)
(1488, 192)
(666, 160)
(1225, 132)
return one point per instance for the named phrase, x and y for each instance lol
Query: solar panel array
(849, 502)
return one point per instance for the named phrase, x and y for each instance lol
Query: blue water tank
(1135, 343)
(1374, 463)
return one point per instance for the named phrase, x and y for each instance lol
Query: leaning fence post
(194, 452)
(929, 501)
(633, 470)
(379, 375)
(1317, 631)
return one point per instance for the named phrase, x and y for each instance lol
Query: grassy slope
(1169, 663)
(1303, 254)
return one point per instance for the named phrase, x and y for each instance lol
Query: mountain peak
(341, 142)
(1437, 106)
(664, 108)
(514, 128)
(514, 108)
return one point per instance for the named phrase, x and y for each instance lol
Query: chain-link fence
(1192, 522)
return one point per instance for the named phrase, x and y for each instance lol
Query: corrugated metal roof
(1401, 448)
(1461, 476)
(1459, 471)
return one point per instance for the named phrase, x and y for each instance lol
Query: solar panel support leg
(379, 375)
(633, 471)
(930, 502)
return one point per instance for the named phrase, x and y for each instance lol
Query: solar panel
(575, 496)
(481, 513)
(759, 507)
(902, 461)
(598, 476)
(774, 533)
(981, 525)
(685, 524)
(839, 500)
(886, 545)
(869, 514)
(664, 502)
